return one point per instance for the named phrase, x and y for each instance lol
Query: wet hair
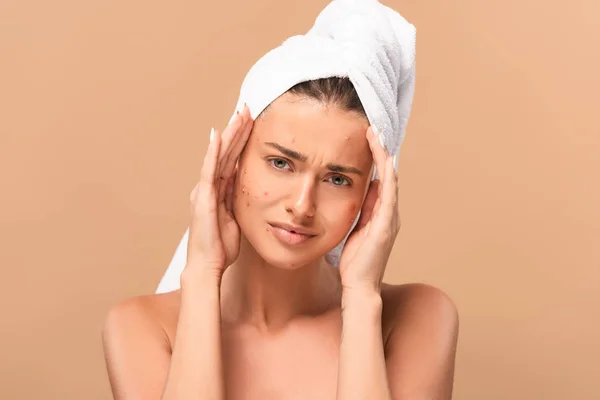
(335, 91)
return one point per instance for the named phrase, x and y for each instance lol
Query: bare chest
(299, 364)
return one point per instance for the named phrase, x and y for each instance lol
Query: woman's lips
(288, 237)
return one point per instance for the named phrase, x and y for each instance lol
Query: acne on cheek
(244, 189)
(256, 191)
(246, 192)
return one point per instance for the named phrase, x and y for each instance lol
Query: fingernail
(381, 141)
(233, 117)
(212, 134)
(395, 160)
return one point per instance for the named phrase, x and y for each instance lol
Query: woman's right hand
(214, 235)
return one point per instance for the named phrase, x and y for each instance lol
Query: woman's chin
(287, 261)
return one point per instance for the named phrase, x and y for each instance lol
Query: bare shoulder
(420, 327)
(137, 339)
(155, 313)
(413, 305)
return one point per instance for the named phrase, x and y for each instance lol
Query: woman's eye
(281, 164)
(278, 163)
(338, 180)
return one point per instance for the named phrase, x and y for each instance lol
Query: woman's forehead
(299, 118)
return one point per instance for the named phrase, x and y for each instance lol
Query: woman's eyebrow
(288, 152)
(303, 157)
(344, 169)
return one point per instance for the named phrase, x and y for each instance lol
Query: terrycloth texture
(364, 40)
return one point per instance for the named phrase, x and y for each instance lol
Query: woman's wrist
(200, 277)
(362, 298)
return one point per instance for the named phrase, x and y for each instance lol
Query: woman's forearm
(362, 370)
(196, 370)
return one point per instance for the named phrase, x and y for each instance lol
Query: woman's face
(308, 165)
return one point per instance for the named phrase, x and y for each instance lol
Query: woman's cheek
(241, 200)
(351, 213)
(344, 217)
(248, 191)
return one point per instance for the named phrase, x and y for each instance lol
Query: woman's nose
(302, 202)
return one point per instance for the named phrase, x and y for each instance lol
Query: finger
(229, 134)
(378, 151)
(237, 148)
(389, 193)
(240, 141)
(243, 138)
(209, 166)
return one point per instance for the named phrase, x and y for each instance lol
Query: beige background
(105, 110)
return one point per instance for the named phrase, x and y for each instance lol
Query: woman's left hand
(367, 249)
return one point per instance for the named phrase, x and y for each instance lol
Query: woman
(261, 314)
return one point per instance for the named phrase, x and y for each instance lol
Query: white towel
(371, 44)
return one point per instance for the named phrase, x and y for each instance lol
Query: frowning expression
(306, 168)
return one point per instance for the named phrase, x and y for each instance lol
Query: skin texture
(281, 321)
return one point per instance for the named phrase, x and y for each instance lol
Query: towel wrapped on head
(363, 40)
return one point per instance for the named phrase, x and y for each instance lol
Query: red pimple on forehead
(266, 193)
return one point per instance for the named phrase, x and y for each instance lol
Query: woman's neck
(257, 293)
